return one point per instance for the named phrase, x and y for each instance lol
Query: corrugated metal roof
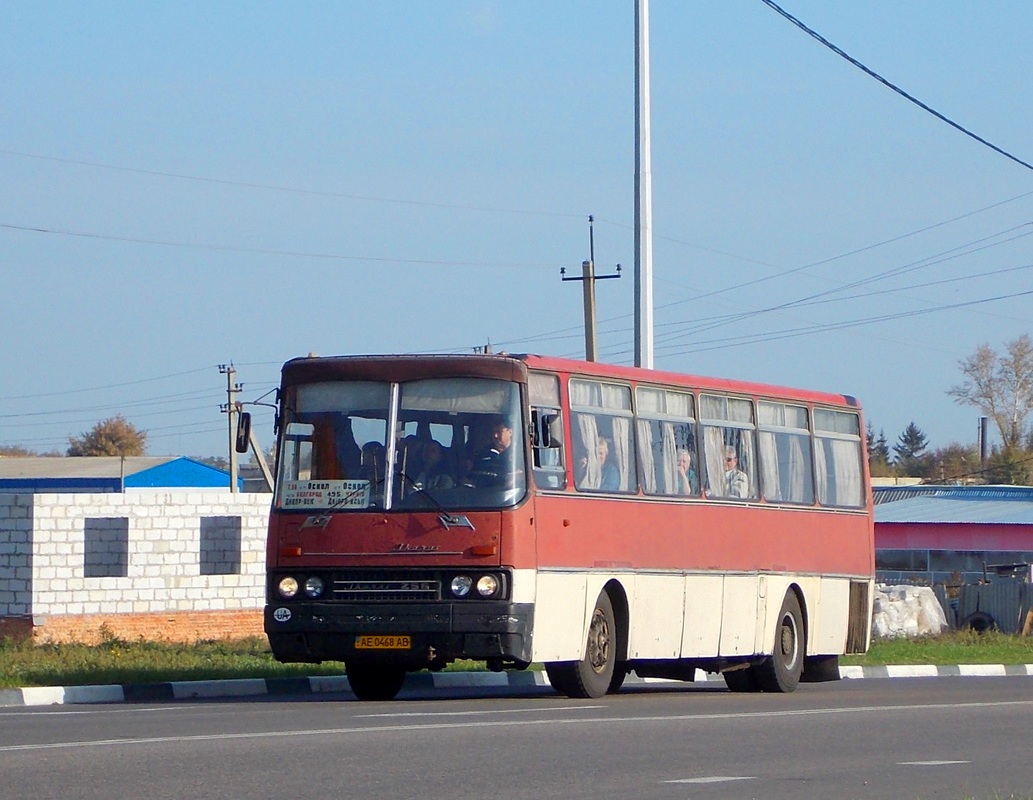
(1002, 505)
(107, 474)
(78, 466)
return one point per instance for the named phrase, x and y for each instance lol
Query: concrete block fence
(174, 564)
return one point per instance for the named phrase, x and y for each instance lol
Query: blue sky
(185, 185)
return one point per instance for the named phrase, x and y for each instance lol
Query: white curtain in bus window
(664, 442)
(837, 458)
(728, 446)
(647, 460)
(604, 460)
(649, 403)
(543, 389)
(785, 453)
(622, 452)
(587, 469)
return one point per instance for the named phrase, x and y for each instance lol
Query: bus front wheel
(374, 681)
(781, 672)
(592, 676)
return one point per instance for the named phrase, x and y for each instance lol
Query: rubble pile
(908, 611)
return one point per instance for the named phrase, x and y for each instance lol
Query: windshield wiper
(323, 518)
(447, 519)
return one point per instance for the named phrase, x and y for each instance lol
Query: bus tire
(781, 672)
(593, 675)
(620, 672)
(817, 669)
(374, 681)
(741, 680)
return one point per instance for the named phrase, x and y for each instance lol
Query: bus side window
(547, 448)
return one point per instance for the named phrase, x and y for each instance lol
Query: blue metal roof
(108, 474)
(1002, 505)
(180, 472)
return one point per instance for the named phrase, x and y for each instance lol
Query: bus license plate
(383, 642)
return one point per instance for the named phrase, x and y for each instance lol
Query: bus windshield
(355, 445)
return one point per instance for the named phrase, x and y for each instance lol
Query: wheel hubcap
(599, 642)
(788, 641)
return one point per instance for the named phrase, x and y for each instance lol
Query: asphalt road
(954, 738)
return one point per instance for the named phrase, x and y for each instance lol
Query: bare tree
(110, 437)
(15, 451)
(1001, 386)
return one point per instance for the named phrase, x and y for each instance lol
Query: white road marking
(474, 713)
(929, 763)
(17, 711)
(781, 714)
(715, 779)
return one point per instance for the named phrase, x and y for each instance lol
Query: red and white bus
(513, 509)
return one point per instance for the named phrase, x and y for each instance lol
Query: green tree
(219, 462)
(1010, 466)
(878, 453)
(1001, 386)
(910, 446)
(954, 463)
(111, 437)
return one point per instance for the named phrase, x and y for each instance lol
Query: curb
(286, 687)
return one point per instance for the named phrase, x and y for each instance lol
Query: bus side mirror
(552, 431)
(243, 432)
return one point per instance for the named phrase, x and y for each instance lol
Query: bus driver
(493, 467)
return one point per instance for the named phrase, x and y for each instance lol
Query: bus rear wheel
(374, 681)
(592, 676)
(741, 680)
(781, 672)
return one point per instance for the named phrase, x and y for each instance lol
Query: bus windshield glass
(450, 443)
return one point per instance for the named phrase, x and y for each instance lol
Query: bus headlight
(461, 585)
(313, 587)
(487, 585)
(288, 587)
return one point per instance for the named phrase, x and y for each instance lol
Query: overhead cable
(889, 84)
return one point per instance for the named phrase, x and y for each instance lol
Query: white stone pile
(908, 611)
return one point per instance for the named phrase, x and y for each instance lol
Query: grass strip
(118, 661)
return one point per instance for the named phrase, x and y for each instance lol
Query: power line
(868, 71)
(103, 388)
(265, 251)
(163, 400)
(746, 339)
(939, 258)
(290, 189)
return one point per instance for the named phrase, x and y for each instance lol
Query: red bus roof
(638, 374)
(513, 366)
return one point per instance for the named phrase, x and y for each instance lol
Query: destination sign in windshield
(323, 494)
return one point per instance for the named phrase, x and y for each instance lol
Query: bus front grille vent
(384, 591)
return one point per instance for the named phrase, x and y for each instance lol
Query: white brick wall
(42, 551)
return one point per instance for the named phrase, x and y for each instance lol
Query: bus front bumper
(434, 633)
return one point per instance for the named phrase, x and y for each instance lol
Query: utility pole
(263, 465)
(588, 279)
(231, 409)
(643, 194)
(983, 446)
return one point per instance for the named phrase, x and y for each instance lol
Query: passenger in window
(737, 483)
(492, 468)
(374, 458)
(688, 483)
(433, 472)
(410, 455)
(609, 475)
